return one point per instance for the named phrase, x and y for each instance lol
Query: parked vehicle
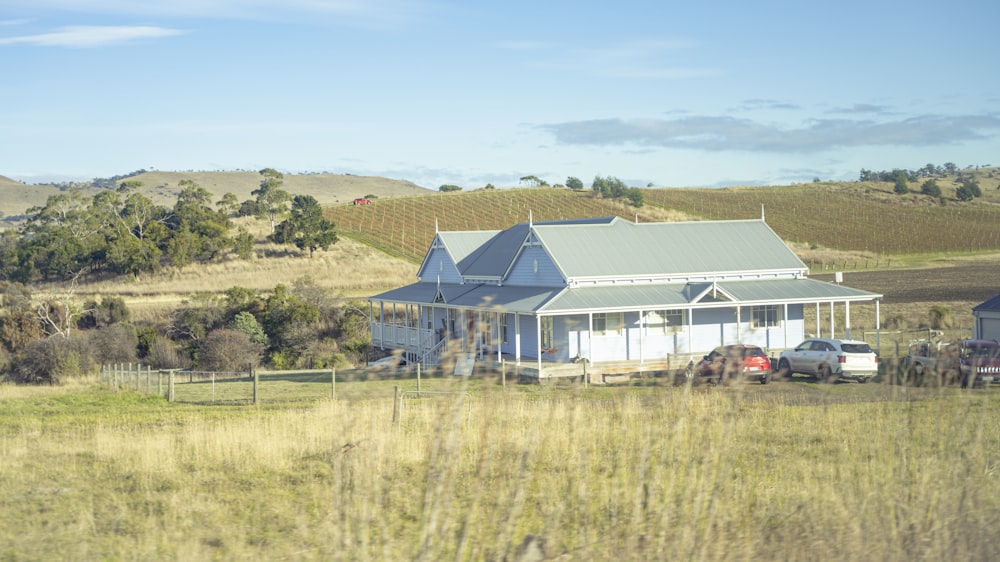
(362, 201)
(830, 360)
(734, 362)
(969, 362)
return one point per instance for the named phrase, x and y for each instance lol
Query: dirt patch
(975, 282)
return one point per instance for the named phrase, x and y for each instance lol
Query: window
(503, 329)
(764, 316)
(608, 324)
(664, 321)
(546, 335)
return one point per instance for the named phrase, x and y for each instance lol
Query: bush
(164, 354)
(227, 350)
(52, 361)
(114, 344)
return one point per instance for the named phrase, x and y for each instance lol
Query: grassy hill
(865, 219)
(161, 187)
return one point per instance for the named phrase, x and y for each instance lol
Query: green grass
(791, 470)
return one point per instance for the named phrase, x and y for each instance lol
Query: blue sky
(683, 93)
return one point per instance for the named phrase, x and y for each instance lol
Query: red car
(734, 361)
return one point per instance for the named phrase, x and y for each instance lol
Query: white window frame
(608, 324)
(765, 316)
(664, 321)
(545, 324)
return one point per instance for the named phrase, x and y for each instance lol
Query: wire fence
(221, 387)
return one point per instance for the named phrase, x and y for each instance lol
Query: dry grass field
(787, 471)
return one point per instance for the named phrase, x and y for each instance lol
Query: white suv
(829, 360)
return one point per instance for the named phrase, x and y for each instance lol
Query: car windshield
(753, 352)
(982, 351)
(856, 348)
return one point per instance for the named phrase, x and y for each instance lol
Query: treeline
(607, 187)
(124, 232)
(291, 327)
(968, 186)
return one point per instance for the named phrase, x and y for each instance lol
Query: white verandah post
(847, 320)
(517, 338)
(538, 343)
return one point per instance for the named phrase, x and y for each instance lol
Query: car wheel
(863, 380)
(763, 379)
(823, 374)
(784, 369)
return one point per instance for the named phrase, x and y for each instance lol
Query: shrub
(165, 354)
(940, 317)
(114, 344)
(52, 361)
(227, 350)
(111, 310)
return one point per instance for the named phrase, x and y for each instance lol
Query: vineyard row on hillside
(818, 216)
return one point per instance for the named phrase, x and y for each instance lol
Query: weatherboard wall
(534, 267)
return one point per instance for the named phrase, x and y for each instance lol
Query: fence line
(207, 386)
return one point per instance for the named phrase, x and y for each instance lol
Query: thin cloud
(759, 103)
(863, 108)
(91, 36)
(635, 59)
(716, 134)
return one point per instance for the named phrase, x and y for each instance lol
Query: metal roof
(626, 297)
(701, 295)
(991, 305)
(510, 299)
(624, 249)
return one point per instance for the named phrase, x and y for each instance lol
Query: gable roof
(485, 254)
(990, 305)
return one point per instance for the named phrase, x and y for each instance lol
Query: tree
(243, 243)
(534, 181)
(930, 187)
(634, 195)
(901, 185)
(446, 188)
(271, 199)
(194, 216)
(574, 183)
(972, 186)
(306, 227)
(248, 324)
(609, 187)
(229, 204)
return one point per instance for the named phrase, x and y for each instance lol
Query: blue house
(606, 290)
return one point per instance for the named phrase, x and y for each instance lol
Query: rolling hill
(161, 187)
(867, 220)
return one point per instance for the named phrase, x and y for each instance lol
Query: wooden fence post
(253, 374)
(333, 383)
(170, 392)
(395, 407)
(503, 373)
